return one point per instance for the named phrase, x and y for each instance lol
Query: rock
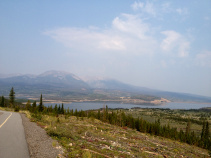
(106, 147)
(58, 147)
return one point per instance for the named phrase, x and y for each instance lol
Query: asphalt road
(12, 137)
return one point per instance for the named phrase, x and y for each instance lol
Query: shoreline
(119, 101)
(113, 104)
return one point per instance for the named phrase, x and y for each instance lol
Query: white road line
(5, 120)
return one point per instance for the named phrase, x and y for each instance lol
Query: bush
(86, 154)
(37, 116)
(53, 133)
(17, 108)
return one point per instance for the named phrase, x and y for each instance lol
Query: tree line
(11, 101)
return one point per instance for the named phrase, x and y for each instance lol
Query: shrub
(37, 116)
(17, 108)
(87, 154)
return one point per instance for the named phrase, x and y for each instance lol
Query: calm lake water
(98, 105)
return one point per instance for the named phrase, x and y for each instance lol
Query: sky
(163, 45)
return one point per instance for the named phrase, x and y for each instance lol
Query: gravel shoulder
(39, 143)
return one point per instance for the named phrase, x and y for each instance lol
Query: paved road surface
(12, 137)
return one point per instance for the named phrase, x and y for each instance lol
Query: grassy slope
(86, 137)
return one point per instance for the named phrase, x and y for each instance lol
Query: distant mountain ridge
(64, 85)
(49, 77)
(55, 83)
(110, 84)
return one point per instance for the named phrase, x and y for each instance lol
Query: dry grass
(88, 137)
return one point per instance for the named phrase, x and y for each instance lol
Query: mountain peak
(55, 73)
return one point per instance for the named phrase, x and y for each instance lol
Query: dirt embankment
(39, 143)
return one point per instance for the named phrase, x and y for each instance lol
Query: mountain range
(58, 85)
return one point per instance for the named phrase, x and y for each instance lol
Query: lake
(98, 105)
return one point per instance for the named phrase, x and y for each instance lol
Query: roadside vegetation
(123, 133)
(174, 118)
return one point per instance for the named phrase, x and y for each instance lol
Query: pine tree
(40, 106)
(2, 101)
(59, 109)
(71, 112)
(188, 128)
(28, 105)
(203, 131)
(62, 109)
(12, 97)
(207, 132)
(205, 136)
(55, 109)
(106, 112)
(98, 115)
(76, 112)
(50, 108)
(207, 141)
(34, 106)
(137, 124)
(68, 111)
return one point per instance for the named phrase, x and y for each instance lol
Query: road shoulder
(39, 143)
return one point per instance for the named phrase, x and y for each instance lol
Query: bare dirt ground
(39, 143)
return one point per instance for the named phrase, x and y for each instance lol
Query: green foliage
(2, 103)
(17, 108)
(34, 106)
(58, 121)
(28, 105)
(178, 118)
(205, 136)
(55, 109)
(59, 110)
(37, 116)
(12, 97)
(188, 128)
(98, 115)
(86, 154)
(40, 106)
(62, 109)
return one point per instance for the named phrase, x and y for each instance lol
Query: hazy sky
(158, 44)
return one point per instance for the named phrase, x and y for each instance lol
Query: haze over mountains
(63, 86)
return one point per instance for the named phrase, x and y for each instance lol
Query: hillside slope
(83, 137)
